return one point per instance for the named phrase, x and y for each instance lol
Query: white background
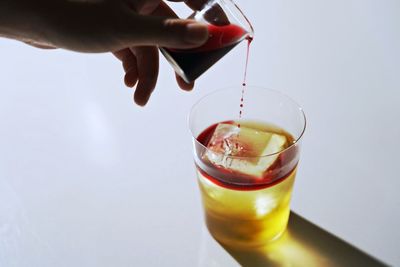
(89, 179)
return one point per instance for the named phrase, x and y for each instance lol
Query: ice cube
(240, 149)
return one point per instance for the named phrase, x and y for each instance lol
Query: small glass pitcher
(227, 26)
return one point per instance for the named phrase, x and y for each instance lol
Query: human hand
(132, 29)
(141, 62)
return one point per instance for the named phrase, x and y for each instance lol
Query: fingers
(130, 66)
(141, 62)
(140, 65)
(148, 70)
(131, 76)
(167, 32)
(164, 10)
(183, 85)
(147, 62)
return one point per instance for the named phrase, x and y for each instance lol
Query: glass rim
(228, 88)
(235, 11)
(246, 20)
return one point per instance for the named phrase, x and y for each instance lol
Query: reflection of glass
(247, 196)
(227, 27)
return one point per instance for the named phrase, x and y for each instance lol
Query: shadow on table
(303, 244)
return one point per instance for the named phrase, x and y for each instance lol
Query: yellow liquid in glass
(246, 218)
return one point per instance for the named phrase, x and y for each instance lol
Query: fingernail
(196, 33)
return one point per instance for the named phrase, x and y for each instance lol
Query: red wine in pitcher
(191, 63)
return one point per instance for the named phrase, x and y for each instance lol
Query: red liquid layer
(283, 166)
(195, 62)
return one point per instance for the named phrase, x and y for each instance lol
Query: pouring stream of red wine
(244, 85)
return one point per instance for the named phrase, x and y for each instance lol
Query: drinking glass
(241, 210)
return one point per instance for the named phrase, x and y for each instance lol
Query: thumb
(168, 32)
